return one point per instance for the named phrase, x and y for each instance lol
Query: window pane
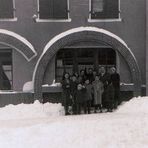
(6, 9)
(97, 5)
(45, 9)
(53, 9)
(106, 56)
(108, 10)
(60, 9)
(111, 9)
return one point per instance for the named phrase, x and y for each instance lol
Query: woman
(66, 92)
(98, 90)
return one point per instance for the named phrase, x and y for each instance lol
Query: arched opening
(85, 34)
(17, 42)
(10, 42)
(73, 60)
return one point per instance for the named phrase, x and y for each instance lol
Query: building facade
(40, 39)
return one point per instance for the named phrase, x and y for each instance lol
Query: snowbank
(35, 110)
(106, 130)
(134, 106)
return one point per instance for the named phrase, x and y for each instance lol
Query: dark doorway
(6, 69)
(74, 59)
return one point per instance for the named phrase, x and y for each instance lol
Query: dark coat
(109, 93)
(105, 79)
(66, 92)
(73, 89)
(115, 79)
(90, 77)
(81, 95)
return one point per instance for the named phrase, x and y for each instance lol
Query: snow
(37, 126)
(35, 110)
(135, 106)
(28, 87)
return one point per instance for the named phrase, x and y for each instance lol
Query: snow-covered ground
(45, 126)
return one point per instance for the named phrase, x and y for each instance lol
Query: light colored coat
(98, 90)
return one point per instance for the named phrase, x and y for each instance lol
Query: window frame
(52, 20)
(105, 19)
(14, 14)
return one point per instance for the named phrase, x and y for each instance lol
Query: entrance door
(75, 59)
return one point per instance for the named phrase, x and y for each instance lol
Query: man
(115, 79)
(104, 78)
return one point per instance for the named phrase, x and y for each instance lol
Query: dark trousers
(66, 101)
(88, 103)
(81, 106)
(110, 105)
(74, 105)
(116, 98)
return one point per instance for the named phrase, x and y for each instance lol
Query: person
(76, 74)
(66, 92)
(115, 79)
(97, 91)
(82, 76)
(109, 97)
(94, 74)
(80, 98)
(73, 88)
(90, 75)
(104, 78)
(89, 91)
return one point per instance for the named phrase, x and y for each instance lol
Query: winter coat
(105, 78)
(90, 77)
(81, 96)
(89, 91)
(115, 79)
(73, 89)
(98, 90)
(109, 93)
(66, 92)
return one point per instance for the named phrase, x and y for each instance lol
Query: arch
(85, 34)
(17, 42)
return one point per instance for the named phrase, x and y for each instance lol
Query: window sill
(9, 20)
(52, 20)
(104, 20)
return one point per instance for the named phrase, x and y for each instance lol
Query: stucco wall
(131, 29)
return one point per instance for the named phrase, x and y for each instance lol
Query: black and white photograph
(73, 74)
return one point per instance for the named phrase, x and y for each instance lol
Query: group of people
(91, 89)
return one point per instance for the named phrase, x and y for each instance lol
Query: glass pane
(6, 9)
(45, 9)
(97, 5)
(60, 9)
(105, 9)
(53, 9)
(106, 56)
